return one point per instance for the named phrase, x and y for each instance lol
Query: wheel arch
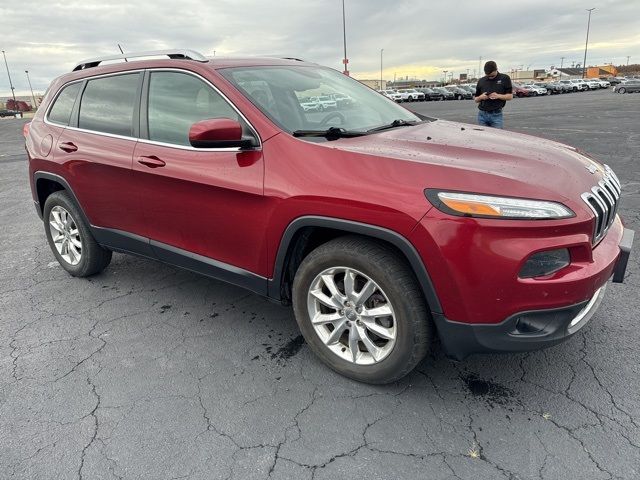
(306, 233)
(47, 183)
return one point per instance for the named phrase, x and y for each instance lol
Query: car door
(200, 204)
(96, 151)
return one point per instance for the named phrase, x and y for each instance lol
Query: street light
(381, 50)
(35, 106)
(13, 93)
(445, 76)
(345, 60)
(586, 43)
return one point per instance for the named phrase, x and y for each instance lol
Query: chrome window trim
(153, 142)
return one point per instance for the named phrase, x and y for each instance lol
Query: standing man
(493, 91)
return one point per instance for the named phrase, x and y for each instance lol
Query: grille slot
(604, 199)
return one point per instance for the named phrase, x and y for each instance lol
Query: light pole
(345, 60)
(628, 57)
(13, 93)
(445, 76)
(586, 43)
(381, 50)
(35, 106)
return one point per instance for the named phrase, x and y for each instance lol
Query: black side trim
(374, 231)
(209, 267)
(131, 243)
(122, 241)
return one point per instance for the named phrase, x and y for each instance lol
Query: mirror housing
(218, 133)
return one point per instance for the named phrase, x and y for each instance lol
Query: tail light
(25, 129)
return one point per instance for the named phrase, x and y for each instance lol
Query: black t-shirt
(500, 84)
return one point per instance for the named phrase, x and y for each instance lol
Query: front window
(287, 87)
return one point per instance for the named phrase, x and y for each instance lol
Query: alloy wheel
(352, 315)
(65, 235)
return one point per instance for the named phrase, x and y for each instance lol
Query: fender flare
(374, 231)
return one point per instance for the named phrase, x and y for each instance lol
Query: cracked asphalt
(149, 372)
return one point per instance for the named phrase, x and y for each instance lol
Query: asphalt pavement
(150, 372)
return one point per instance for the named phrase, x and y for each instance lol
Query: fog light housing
(545, 263)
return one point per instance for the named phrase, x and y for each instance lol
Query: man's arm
(508, 91)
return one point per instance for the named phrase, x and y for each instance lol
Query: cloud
(419, 38)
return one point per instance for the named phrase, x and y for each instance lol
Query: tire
(622, 90)
(394, 287)
(60, 209)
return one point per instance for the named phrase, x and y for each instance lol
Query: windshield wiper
(331, 133)
(394, 124)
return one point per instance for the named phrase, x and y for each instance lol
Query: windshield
(279, 91)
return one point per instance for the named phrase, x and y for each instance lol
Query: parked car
(445, 93)
(581, 85)
(603, 83)
(411, 95)
(431, 95)
(535, 90)
(392, 94)
(381, 227)
(459, 93)
(553, 88)
(613, 80)
(10, 113)
(470, 88)
(310, 104)
(520, 91)
(342, 100)
(593, 84)
(325, 102)
(571, 85)
(632, 86)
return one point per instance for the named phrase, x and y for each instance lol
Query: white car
(593, 84)
(580, 84)
(392, 94)
(603, 83)
(310, 105)
(535, 90)
(325, 102)
(411, 95)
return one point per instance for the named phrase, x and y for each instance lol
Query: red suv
(382, 227)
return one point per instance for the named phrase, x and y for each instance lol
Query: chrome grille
(603, 200)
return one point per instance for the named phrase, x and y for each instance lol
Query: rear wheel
(622, 90)
(360, 309)
(70, 239)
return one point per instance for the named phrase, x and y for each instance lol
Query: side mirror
(218, 133)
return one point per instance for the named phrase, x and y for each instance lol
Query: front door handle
(151, 161)
(68, 147)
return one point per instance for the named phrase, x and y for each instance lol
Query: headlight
(475, 205)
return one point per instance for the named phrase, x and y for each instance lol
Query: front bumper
(528, 330)
(521, 332)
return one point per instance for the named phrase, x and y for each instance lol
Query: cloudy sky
(420, 38)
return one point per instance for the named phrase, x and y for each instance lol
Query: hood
(485, 160)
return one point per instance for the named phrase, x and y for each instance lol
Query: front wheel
(361, 311)
(622, 90)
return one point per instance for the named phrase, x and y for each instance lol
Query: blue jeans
(490, 119)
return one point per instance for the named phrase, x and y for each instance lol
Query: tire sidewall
(403, 348)
(63, 200)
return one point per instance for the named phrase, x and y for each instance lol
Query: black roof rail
(174, 54)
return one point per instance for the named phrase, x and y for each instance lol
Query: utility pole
(479, 66)
(35, 105)
(445, 76)
(13, 93)
(628, 57)
(586, 43)
(381, 50)
(345, 60)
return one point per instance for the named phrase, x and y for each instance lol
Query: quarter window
(63, 105)
(108, 104)
(177, 101)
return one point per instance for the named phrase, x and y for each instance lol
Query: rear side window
(63, 105)
(108, 104)
(177, 101)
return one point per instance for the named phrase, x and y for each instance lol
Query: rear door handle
(68, 147)
(151, 161)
